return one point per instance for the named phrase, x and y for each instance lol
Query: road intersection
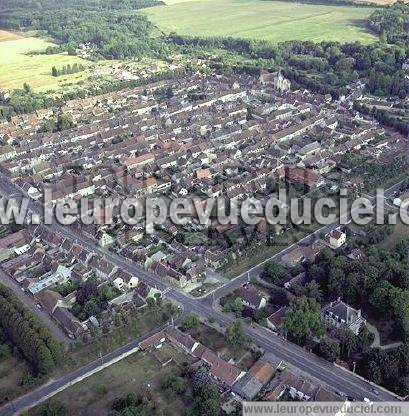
(294, 356)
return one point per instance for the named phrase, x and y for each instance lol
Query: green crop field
(271, 20)
(18, 65)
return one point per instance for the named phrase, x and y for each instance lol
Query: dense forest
(115, 28)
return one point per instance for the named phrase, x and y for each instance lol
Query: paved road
(255, 271)
(293, 355)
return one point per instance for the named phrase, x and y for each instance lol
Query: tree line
(391, 23)
(24, 101)
(384, 117)
(325, 67)
(67, 69)
(28, 334)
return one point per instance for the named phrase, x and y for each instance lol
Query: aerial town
(204, 207)
(195, 136)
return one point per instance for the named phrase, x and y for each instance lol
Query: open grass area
(400, 232)
(19, 65)
(380, 2)
(256, 254)
(270, 20)
(12, 371)
(94, 395)
(136, 325)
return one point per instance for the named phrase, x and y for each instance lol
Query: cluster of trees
(196, 387)
(345, 345)
(23, 101)
(274, 272)
(329, 67)
(303, 322)
(5, 347)
(162, 94)
(380, 280)
(391, 23)
(176, 384)
(133, 404)
(207, 399)
(189, 323)
(389, 368)
(67, 69)
(233, 304)
(24, 330)
(92, 299)
(54, 408)
(115, 29)
(60, 123)
(235, 336)
(384, 84)
(325, 67)
(161, 312)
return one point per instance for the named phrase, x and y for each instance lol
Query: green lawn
(19, 66)
(400, 231)
(12, 371)
(271, 20)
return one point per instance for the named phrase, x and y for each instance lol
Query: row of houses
(266, 379)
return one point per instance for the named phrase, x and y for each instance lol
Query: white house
(337, 238)
(61, 275)
(118, 283)
(339, 313)
(106, 240)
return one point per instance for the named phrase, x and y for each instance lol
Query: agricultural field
(270, 20)
(20, 65)
(5, 35)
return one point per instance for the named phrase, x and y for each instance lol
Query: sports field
(19, 66)
(262, 19)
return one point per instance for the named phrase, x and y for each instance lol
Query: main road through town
(294, 356)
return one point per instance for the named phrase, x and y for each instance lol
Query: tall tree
(303, 319)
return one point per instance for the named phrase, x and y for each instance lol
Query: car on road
(375, 391)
